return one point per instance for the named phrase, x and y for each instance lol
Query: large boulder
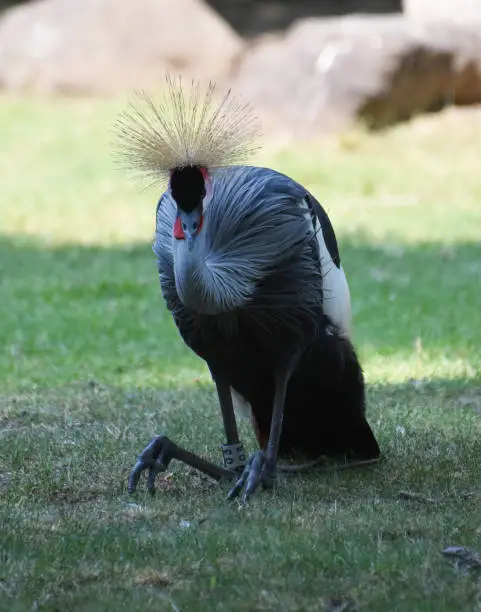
(256, 17)
(326, 73)
(457, 10)
(106, 45)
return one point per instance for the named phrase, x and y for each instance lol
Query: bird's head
(188, 186)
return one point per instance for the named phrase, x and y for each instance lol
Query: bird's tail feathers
(185, 128)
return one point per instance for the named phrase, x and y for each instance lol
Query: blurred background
(305, 64)
(374, 105)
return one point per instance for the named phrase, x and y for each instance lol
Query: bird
(250, 270)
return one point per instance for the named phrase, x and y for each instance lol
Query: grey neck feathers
(253, 226)
(206, 284)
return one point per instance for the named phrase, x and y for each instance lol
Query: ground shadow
(423, 428)
(70, 310)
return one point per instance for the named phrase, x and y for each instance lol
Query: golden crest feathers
(185, 129)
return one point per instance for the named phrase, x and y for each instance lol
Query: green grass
(91, 367)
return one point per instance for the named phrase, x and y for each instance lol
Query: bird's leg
(157, 456)
(261, 466)
(233, 451)
(160, 451)
(270, 464)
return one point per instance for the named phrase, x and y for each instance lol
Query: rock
(457, 10)
(96, 46)
(326, 73)
(255, 17)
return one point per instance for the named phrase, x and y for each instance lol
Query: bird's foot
(258, 471)
(155, 458)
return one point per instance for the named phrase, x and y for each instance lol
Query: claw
(155, 458)
(254, 476)
(240, 482)
(151, 480)
(256, 472)
(135, 476)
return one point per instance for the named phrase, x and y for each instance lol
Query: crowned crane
(250, 269)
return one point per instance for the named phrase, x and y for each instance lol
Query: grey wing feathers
(254, 218)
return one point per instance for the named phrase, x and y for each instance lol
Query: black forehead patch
(187, 187)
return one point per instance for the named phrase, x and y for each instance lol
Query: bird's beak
(190, 240)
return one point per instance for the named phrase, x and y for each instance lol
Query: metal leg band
(234, 456)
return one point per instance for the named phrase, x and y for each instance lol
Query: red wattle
(178, 231)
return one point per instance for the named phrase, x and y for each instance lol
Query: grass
(91, 367)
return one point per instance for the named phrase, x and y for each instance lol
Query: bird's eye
(184, 226)
(194, 225)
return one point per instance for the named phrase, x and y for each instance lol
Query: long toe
(134, 476)
(154, 458)
(250, 478)
(240, 482)
(268, 475)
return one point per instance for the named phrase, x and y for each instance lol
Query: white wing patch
(337, 298)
